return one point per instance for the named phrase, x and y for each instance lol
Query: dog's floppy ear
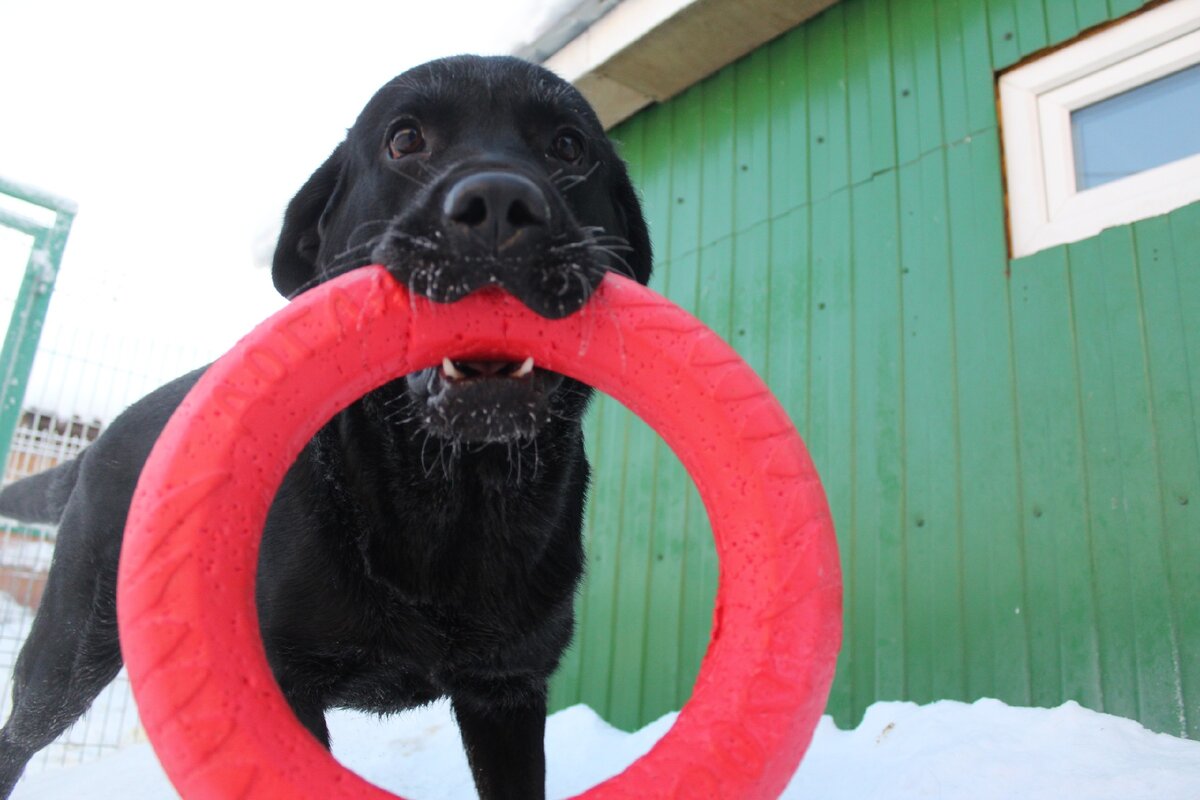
(629, 207)
(295, 263)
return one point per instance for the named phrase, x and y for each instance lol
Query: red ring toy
(189, 630)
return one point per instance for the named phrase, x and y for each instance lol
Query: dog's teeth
(450, 370)
(525, 368)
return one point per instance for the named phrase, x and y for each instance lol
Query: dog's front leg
(505, 746)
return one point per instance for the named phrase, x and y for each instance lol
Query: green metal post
(33, 299)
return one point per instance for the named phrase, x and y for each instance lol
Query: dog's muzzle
(496, 213)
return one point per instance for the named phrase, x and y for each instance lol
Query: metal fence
(42, 439)
(112, 722)
(61, 382)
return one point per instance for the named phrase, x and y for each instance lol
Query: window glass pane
(1137, 130)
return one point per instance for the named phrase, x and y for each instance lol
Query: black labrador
(426, 542)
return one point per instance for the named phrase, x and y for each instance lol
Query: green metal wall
(1011, 448)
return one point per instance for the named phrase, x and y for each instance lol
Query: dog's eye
(405, 140)
(568, 146)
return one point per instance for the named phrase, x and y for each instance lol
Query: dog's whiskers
(565, 183)
(625, 269)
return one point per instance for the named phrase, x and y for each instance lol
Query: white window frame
(1036, 101)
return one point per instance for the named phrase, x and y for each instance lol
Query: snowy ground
(982, 751)
(900, 751)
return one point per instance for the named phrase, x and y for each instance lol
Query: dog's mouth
(484, 400)
(483, 227)
(459, 371)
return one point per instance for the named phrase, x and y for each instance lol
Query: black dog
(426, 542)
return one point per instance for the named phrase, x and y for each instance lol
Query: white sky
(181, 131)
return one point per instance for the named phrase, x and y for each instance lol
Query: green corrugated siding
(1011, 448)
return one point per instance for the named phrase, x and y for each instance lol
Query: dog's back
(385, 581)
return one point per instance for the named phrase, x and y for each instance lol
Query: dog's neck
(474, 501)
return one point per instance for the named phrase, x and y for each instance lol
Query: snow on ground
(982, 751)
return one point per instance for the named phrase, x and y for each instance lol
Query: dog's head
(463, 173)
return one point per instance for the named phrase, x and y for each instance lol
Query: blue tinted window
(1137, 130)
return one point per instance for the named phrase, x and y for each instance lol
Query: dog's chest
(408, 654)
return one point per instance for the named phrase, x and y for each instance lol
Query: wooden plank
(787, 306)
(928, 89)
(649, 689)
(698, 558)
(788, 312)
(655, 174)
(873, 621)
(752, 178)
(1089, 13)
(714, 301)
(1185, 506)
(664, 667)
(1141, 493)
(1002, 33)
(859, 57)
(934, 641)
(830, 424)
(829, 159)
(991, 526)
(1119, 8)
(829, 331)
(595, 641)
(789, 122)
(751, 281)
(567, 686)
(944, 517)
(717, 158)
(1061, 21)
(879, 388)
(714, 307)
(918, 550)
(904, 75)
(951, 72)
(630, 604)
(685, 141)
(1032, 32)
(1175, 559)
(1062, 616)
(659, 677)
(978, 79)
(697, 592)
(680, 613)
(1185, 236)
(1098, 302)
(882, 88)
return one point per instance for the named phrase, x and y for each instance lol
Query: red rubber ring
(189, 630)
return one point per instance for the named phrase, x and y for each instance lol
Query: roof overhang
(646, 51)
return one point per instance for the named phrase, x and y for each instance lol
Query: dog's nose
(497, 210)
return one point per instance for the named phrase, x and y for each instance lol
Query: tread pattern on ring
(772, 671)
(731, 756)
